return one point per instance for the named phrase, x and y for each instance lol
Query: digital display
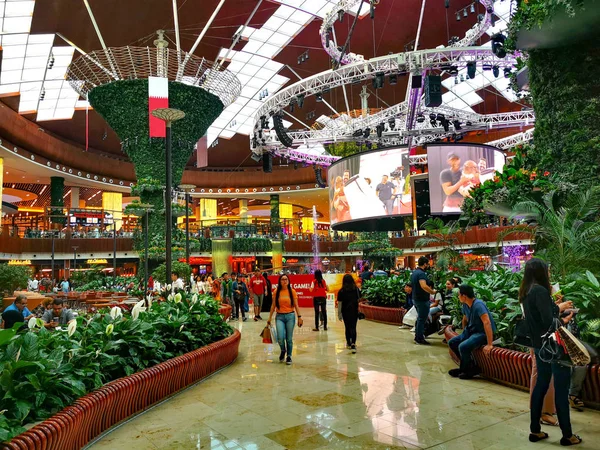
(370, 185)
(456, 169)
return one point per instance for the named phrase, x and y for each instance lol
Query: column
(74, 197)
(286, 213)
(112, 202)
(207, 211)
(57, 188)
(275, 222)
(277, 258)
(1, 181)
(222, 254)
(243, 207)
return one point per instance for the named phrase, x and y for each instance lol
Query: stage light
(379, 80)
(472, 7)
(393, 80)
(447, 3)
(480, 18)
(458, 16)
(380, 129)
(369, 145)
(357, 133)
(507, 72)
(498, 48)
(469, 123)
(471, 69)
(256, 157)
(446, 125)
(465, 14)
(392, 123)
(453, 70)
(456, 80)
(432, 116)
(456, 124)
(440, 117)
(486, 66)
(367, 133)
(254, 142)
(341, 15)
(420, 118)
(496, 71)
(372, 8)
(264, 123)
(300, 100)
(433, 123)
(319, 97)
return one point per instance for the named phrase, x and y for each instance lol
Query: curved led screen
(369, 185)
(455, 169)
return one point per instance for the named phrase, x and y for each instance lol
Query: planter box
(382, 314)
(96, 412)
(513, 368)
(225, 311)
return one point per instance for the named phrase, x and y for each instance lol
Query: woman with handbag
(286, 305)
(318, 289)
(348, 298)
(540, 313)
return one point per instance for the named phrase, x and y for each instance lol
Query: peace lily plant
(43, 370)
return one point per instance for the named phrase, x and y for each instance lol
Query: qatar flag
(158, 97)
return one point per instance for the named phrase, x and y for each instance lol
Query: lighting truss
(513, 140)
(330, 47)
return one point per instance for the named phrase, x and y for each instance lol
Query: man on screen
(452, 180)
(385, 192)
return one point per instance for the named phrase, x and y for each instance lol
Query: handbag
(553, 349)
(266, 336)
(521, 336)
(577, 352)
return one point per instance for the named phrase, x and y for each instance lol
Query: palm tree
(568, 237)
(440, 234)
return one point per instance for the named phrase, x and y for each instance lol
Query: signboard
(19, 262)
(97, 261)
(301, 284)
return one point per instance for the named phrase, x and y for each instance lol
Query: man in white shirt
(177, 283)
(35, 285)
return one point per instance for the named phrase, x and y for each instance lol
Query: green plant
(584, 291)
(41, 371)
(442, 235)
(13, 277)
(251, 245)
(387, 292)
(376, 247)
(183, 269)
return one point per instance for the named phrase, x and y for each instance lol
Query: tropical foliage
(251, 245)
(44, 371)
(376, 247)
(444, 235)
(183, 269)
(13, 277)
(387, 291)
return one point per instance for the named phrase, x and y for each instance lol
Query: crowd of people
(53, 313)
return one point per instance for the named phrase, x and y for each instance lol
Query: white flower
(203, 302)
(109, 329)
(116, 312)
(149, 300)
(194, 298)
(178, 298)
(168, 287)
(170, 297)
(19, 352)
(181, 327)
(32, 323)
(71, 327)
(97, 352)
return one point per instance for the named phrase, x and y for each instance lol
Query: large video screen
(455, 169)
(369, 185)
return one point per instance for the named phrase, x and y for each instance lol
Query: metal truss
(330, 46)
(480, 28)
(514, 140)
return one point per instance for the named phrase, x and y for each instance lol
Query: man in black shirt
(452, 180)
(385, 192)
(420, 297)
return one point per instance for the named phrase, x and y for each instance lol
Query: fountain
(315, 263)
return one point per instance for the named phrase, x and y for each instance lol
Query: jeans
(285, 324)
(239, 306)
(562, 381)
(422, 315)
(578, 374)
(350, 321)
(434, 310)
(463, 346)
(388, 205)
(320, 303)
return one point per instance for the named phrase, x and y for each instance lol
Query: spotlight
(420, 118)
(393, 80)
(453, 70)
(446, 125)
(480, 18)
(447, 3)
(469, 123)
(357, 133)
(507, 72)
(440, 117)
(432, 117)
(456, 80)
(496, 71)
(458, 16)
(372, 8)
(465, 14)
(264, 123)
(300, 100)
(379, 80)
(471, 69)
(472, 7)
(367, 133)
(341, 15)
(486, 66)
(256, 157)
(498, 45)
(456, 124)
(380, 129)
(392, 123)
(319, 97)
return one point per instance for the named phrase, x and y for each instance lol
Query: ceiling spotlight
(445, 124)
(367, 133)
(379, 80)
(319, 97)
(432, 116)
(300, 100)
(469, 123)
(420, 118)
(447, 3)
(496, 71)
(440, 117)
(380, 129)
(465, 14)
(498, 48)
(472, 7)
(341, 15)
(392, 123)
(507, 72)
(458, 16)
(291, 107)
(393, 79)
(471, 69)
(357, 133)
(456, 124)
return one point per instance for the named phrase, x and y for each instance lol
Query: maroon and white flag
(158, 97)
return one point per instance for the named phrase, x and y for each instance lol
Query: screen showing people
(373, 184)
(454, 170)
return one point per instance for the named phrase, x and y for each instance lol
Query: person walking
(257, 286)
(420, 296)
(540, 311)
(268, 298)
(318, 289)
(286, 305)
(348, 298)
(240, 291)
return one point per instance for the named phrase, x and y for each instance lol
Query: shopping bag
(577, 351)
(273, 331)
(266, 336)
(410, 318)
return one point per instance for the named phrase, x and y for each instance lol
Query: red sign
(301, 284)
(322, 226)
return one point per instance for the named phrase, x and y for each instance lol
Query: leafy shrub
(44, 371)
(183, 269)
(387, 292)
(13, 277)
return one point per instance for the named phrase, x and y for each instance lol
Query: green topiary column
(57, 189)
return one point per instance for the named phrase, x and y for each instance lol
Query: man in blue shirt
(381, 273)
(478, 330)
(20, 305)
(420, 298)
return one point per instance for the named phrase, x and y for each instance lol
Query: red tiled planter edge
(382, 314)
(513, 369)
(96, 412)
(225, 311)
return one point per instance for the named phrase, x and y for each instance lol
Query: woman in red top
(318, 289)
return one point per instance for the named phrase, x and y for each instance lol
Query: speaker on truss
(417, 81)
(282, 135)
(267, 163)
(422, 206)
(433, 91)
(319, 177)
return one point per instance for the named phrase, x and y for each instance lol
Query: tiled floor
(391, 394)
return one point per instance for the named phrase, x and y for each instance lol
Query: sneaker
(244, 319)
(288, 360)
(412, 330)
(423, 342)
(281, 357)
(353, 347)
(325, 328)
(315, 329)
(259, 318)
(255, 319)
(454, 373)
(467, 376)
(441, 331)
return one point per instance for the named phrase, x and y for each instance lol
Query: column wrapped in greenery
(57, 189)
(124, 105)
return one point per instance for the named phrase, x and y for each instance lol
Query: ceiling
(134, 22)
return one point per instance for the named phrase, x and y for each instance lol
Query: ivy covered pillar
(222, 254)
(57, 189)
(275, 222)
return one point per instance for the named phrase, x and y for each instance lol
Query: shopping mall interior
(299, 224)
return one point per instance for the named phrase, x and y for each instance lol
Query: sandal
(549, 419)
(536, 437)
(573, 440)
(576, 402)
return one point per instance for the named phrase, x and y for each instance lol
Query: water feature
(315, 263)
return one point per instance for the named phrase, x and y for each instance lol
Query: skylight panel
(278, 39)
(257, 60)
(12, 64)
(268, 50)
(291, 28)
(16, 24)
(27, 106)
(9, 88)
(33, 74)
(261, 35)
(14, 39)
(14, 51)
(312, 6)
(301, 17)
(284, 12)
(273, 23)
(252, 46)
(12, 76)
(226, 134)
(35, 62)
(18, 8)
(38, 50)
(249, 70)
(240, 57)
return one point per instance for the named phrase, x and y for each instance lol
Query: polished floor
(391, 394)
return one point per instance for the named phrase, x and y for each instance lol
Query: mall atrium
(299, 224)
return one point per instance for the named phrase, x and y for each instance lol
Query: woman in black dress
(540, 311)
(347, 299)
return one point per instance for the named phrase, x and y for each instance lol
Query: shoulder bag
(522, 331)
